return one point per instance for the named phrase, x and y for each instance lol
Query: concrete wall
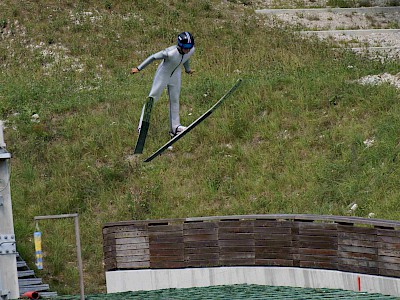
(154, 279)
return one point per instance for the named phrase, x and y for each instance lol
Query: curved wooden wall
(352, 244)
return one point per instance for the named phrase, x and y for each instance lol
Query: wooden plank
(202, 263)
(235, 236)
(229, 249)
(201, 256)
(357, 269)
(200, 237)
(357, 243)
(310, 227)
(285, 250)
(388, 232)
(138, 240)
(160, 258)
(237, 262)
(171, 246)
(273, 244)
(388, 266)
(132, 252)
(166, 249)
(318, 264)
(388, 239)
(358, 255)
(110, 264)
(236, 255)
(362, 250)
(134, 258)
(227, 243)
(130, 234)
(316, 244)
(272, 237)
(166, 228)
(274, 231)
(388, 259)
(165, 234)
(166, 252)
(310, 251)
(272, 224)
(388, 272)
(312, 239)
(107, 248)
(386, 252)
(200, 225)
(274, 262)
(201, 244)
(358, 262)
(124, 228)
(236, 223)
(315, 258)
(202, 250)
(165, 240)
(276, 217)
(167, 264)
(274, 255)
(387, 246)
(356, 236)
(356, 230)
(318, 233)
(196, 231)
(134, 265)
(234, 230)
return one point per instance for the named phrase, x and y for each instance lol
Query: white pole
(8, 254)
(2, 143)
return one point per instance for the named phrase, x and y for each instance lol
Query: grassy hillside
(292, 139)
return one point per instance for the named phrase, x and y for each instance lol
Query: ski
(195, 123)
(144, 124)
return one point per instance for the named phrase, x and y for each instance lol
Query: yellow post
(37, 235)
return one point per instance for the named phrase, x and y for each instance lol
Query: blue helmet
(185, 40)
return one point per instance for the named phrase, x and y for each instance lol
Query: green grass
(290, 140)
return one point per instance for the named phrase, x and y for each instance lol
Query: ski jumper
(168, 75)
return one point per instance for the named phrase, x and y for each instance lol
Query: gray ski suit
(168, 75)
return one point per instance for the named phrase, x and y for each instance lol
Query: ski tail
(141, 118)
(144, 125)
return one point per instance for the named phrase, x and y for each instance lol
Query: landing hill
(299, 136)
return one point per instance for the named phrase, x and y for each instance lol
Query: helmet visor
(186, 46)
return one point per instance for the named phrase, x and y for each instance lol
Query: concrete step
(28, 282)
(21, 264)
(27, 273)
(34, 288)
(361, 10)
(355, 32)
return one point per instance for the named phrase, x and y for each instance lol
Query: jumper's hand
(190, 72)
(135, 70)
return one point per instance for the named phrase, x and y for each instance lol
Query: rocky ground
(332, 23)
(318, 3)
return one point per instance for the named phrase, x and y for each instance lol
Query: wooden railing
(368, 246)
